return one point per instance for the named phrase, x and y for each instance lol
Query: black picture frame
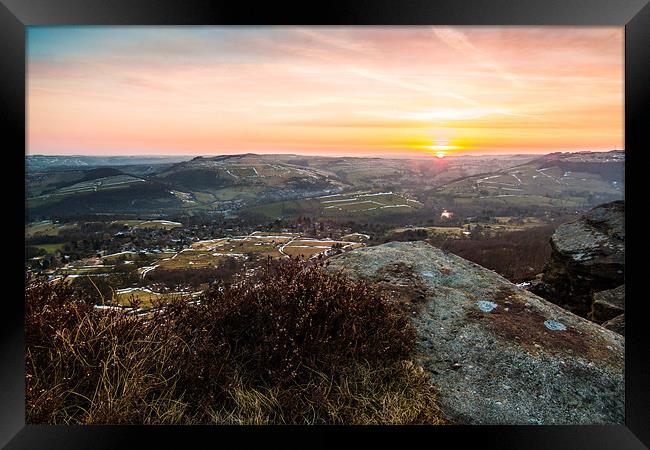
(15, 15)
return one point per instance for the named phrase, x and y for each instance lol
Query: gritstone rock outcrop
(588, 256)
(497, 354)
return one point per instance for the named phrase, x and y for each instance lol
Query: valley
(142, 233)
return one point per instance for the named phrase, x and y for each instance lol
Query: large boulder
(588, 256)
(608, 304)
(496, 353)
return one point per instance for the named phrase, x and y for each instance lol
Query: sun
(440, 151)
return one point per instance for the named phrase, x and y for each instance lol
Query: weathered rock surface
(588, 256)
(497, 354)
(608, 304)
(617, 324)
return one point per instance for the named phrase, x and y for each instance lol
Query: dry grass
(293, 346)
(396, 395)
(90, 376)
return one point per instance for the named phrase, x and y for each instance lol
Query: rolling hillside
(290, 185)
(557, 179)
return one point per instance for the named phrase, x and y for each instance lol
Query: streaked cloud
(330, 90)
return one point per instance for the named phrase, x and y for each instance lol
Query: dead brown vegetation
(293, 345)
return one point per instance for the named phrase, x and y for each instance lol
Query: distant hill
(221, 184)
(121, 194)
(46, 162)
(248, 178)
(608, 165)
(561, 179)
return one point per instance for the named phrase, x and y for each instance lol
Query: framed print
(352, 217)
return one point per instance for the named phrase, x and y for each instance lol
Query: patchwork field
(365, 201)
(354, 205)
(545, 184)
(210, 253)
(114, 182)
(207, 254)
(255, 246)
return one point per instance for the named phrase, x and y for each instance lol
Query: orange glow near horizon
(356, 91)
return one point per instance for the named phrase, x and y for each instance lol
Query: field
(450, 232)
(288, 186)
(537, 184)
(231, 193)
(114, 182)
(188, 258)
(308, 248)
(50, 248)
(149, 224)
(145, 297)
(479, 201)
(206, 254)
(498, 224)
(255, 246)
(365, 201)
(138, 258)
(506, 223)
(84, 270)
(352, 205)
(107, 264)
(118, 257)
(355, 237)
(40, 183)
(46, 228)
(129, 223)
(153, 224)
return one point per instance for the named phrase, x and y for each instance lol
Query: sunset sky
(358, 91)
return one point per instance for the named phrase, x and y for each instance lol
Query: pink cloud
(366, 89)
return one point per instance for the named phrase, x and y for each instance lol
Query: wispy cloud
(364, 89)
(456, 39)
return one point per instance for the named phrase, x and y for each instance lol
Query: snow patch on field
(147, 269)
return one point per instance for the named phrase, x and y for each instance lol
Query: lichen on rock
(497, 365)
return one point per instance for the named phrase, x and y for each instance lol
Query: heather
(292, 344)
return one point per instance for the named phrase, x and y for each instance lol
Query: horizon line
(385, 156)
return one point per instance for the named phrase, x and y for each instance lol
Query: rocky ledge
(607, 304)
(588, 256)
(497, 354)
